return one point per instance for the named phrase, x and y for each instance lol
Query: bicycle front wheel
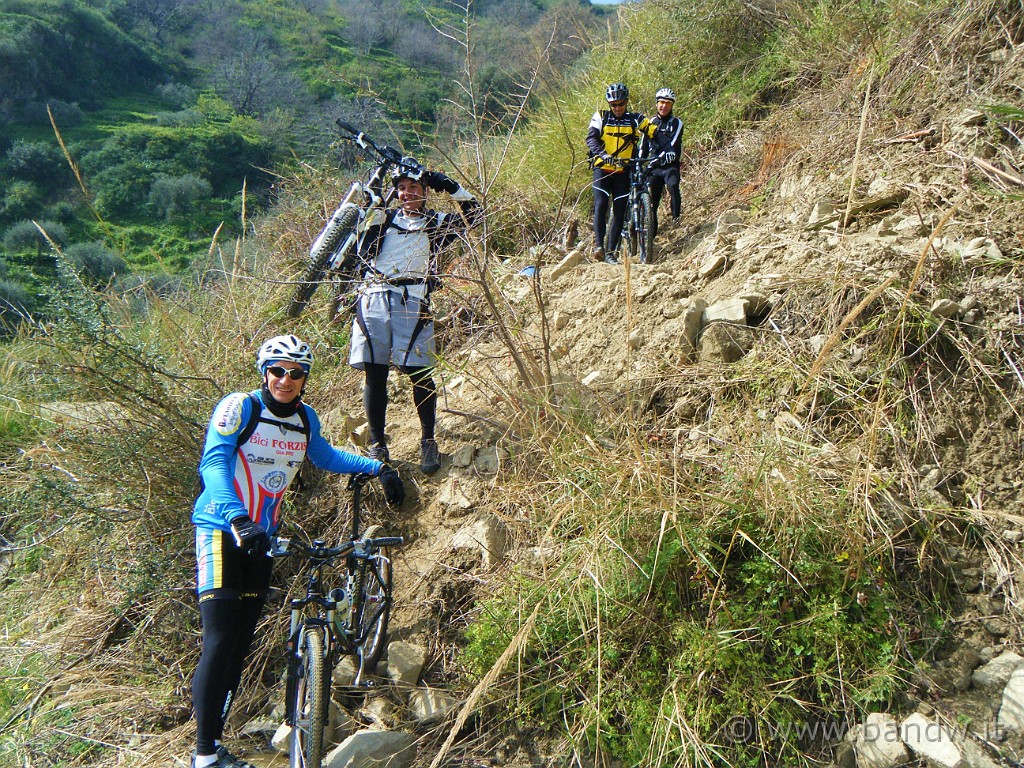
(374, 608)
(338, 230)
(630, 227)
(644, 228)
(309, 708)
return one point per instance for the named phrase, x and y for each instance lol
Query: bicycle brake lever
(279, 547)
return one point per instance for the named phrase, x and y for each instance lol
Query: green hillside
(177, 115)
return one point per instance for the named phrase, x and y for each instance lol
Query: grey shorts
(392, 329)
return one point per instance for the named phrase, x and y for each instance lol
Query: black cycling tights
(228, 629)
(375, 399)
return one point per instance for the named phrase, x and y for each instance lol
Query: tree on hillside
(371, 24)
(151, 18)
(245, 72)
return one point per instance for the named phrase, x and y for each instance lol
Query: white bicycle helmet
(409, 168)
(284, 348)
(616, 92)
(665, 94)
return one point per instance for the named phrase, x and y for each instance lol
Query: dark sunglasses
(616, 103)
(279, 371)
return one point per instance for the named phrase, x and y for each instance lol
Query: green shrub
(173, 197)
(95, 261)
(21, 200)
(37, 161)
(25, 235)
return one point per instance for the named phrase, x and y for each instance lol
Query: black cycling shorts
(225, 571)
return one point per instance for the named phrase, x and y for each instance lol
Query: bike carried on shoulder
(333, 251)
(331, 621)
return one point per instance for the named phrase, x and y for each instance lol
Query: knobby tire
(318, 259)
(374, 608)
(631, 241)
(306, 741)
(645, 228)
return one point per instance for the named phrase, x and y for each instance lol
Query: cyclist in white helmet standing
(665, 148)
(401, 260)
(613, 136)
(255, 443)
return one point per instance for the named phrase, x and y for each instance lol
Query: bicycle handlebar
(318, 551)
(386, 153)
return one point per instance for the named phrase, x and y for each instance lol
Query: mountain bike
(638, 228)
(333, 252)
(332, 621)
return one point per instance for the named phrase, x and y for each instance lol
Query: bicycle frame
(320, 606)
(639, 224)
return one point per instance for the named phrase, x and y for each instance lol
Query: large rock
(374, 749)
(878, 743)
(932, 741)
(724, 342)
(406, 662)
(692, 319)
(997, 673)
(340, 724)
(457, 493)
(726, 311)
(571, 261)
(1011, 708)
(428, 705)
(488, 460)
(487, 535)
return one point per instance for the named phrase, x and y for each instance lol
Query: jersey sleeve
(217, 467)
(327, 457)
(595, 142)
(646, 127)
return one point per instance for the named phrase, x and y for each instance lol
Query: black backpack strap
(256, 408)
(305, 419)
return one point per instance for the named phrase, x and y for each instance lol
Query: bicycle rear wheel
(338, 230)
(309, 707)
(644, 228)
(374, 606)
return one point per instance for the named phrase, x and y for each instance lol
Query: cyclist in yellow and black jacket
(613, 136)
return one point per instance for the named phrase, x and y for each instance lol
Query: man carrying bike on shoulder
(613, 137)
(665, 149)
(401, 261)
(255, 443)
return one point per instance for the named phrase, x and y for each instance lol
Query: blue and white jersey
(251, 479)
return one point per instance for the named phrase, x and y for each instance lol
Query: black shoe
(611, 258)
(430, 457)
(379, 452)
(225, 759)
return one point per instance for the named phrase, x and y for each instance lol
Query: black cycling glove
(394, 489)
(438, 182)
(249, 537)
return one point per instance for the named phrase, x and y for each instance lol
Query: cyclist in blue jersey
(249, 460)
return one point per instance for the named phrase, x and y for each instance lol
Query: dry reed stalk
(485, 684)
